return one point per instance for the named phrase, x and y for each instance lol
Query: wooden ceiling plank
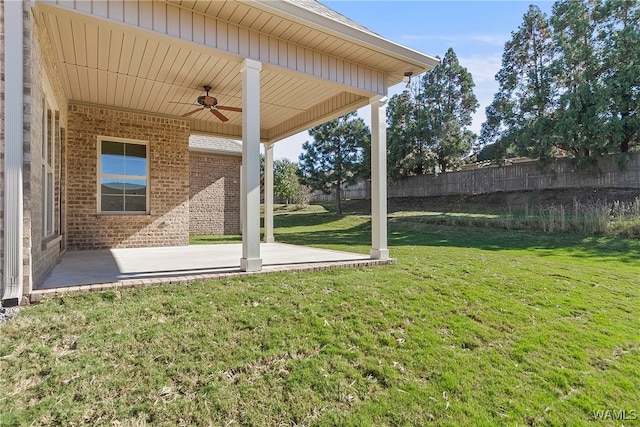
(239, 14)
(201, 6)
(126, 53)
(103, 86)
(251, 18)
(115, 48)
(139, 48)
(157, 59)
(104, 41)
(138, 95)
(83, 82)
(74, 82)
(183, 58)
(226, 11)
(200, 67)
(165, 64)
(269, 23)
(91, 44)
(151, 91)
(119, 90)
(66, 40)
(94, 86)
(112, 85)
(146, 58)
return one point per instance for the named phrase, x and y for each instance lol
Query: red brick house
(99, 99)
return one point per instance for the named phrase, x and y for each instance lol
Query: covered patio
(104, 269)
(144, 75)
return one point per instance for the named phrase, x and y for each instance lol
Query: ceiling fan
(211, 103)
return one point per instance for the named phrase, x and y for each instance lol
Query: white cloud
(482, 68)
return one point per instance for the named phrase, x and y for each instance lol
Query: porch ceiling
(138, 66)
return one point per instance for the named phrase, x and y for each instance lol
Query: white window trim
(48, 183)
(99, 175)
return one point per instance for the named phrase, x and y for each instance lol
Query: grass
(595, 216)
(472, 327)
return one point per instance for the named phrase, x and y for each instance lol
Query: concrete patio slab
(109, 268)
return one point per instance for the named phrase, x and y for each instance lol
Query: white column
(379, 248)
(243, 200)
(268, 193)
(251, 260)
(12, 287)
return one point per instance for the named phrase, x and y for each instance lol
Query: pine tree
(520, 114)
(620, 35)
(579, 123)
(336, 155)
(428, 126)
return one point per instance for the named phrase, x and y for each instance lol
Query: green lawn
(472, 327)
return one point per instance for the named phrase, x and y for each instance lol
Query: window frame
(50, 139)
(100, 175)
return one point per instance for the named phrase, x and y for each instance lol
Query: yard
(472, 327)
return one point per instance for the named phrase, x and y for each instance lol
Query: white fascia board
(327, 25)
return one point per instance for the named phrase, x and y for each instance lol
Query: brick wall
(41, 254)
(214, 194)
(168, 222)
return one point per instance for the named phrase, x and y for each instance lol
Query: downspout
(12, 285)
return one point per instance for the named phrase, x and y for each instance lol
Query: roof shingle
(214, 144)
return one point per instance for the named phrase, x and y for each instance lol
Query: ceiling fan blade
(219, 115)
(183, 103)
(224, 107)
(192, 112)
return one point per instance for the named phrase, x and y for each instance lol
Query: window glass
(123, 177)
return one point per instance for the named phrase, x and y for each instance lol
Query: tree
(447, 94)
(579, 122)
(285, 180)
(407, 150)
(520, 114)
(428, 126)
(620, 34)
(336, 155)
(570, 84)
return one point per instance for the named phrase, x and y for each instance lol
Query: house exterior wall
(167, 224)
(214, 194)
(41, 254)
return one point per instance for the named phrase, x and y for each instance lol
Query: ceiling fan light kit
(211, 103)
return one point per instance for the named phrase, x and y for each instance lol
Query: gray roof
(214, 145)
(320, 9)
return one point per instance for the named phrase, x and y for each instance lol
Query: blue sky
(476, 30)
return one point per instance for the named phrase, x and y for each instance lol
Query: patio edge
(37, 295)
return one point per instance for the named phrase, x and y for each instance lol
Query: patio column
(250, 220)
(12, 286)
(379, 248)
(268, 193)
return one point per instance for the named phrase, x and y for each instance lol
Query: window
(50, 134)
(123, 176)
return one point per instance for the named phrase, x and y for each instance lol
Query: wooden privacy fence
(515, 177)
